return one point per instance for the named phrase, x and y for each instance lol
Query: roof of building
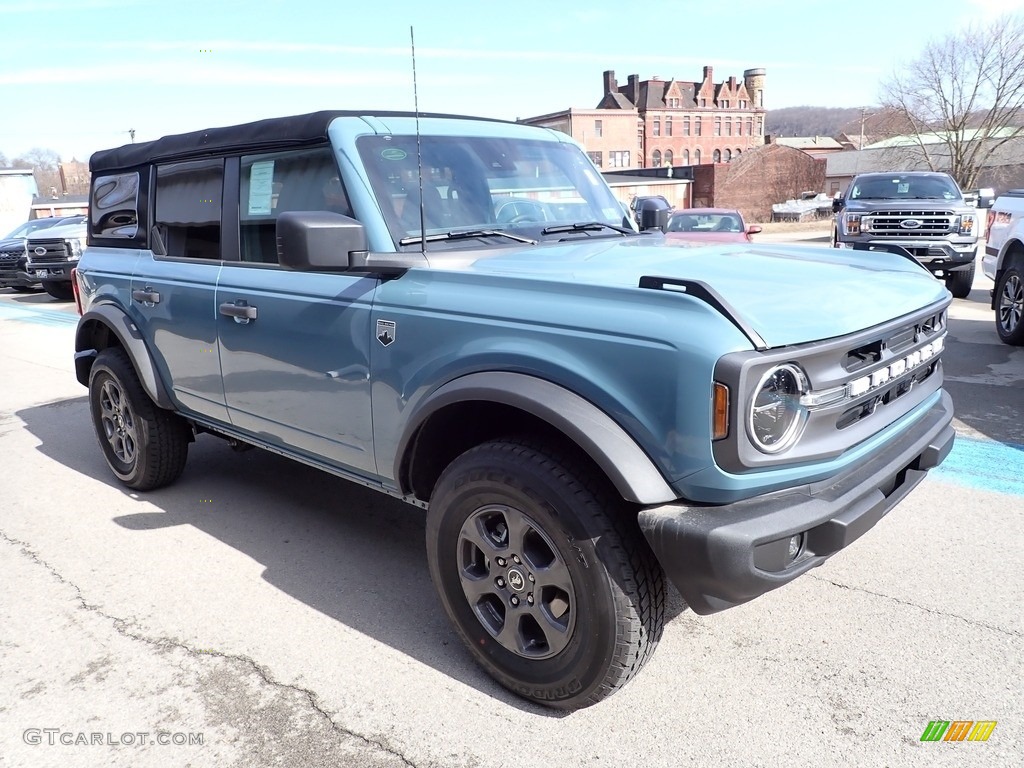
(809, 142)
(906, 157)
(938, 137)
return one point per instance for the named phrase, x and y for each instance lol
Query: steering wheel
(524, 218)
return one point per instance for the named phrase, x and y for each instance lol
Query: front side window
(272, 183)
(188, 209)
(473, 183)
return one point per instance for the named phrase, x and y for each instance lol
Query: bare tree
(39, 159)
(963, 97)
(3, 160)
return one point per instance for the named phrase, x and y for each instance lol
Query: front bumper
(58, 271)
(16, 278)
(721, 556)
(933, 255)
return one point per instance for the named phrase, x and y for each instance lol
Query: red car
(712, 225)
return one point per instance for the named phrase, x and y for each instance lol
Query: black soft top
(274, 132)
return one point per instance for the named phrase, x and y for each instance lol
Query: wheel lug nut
(529, 598)
(514, 600)
(516, 560)
(500, 561)
(531, 578)
(499, 581)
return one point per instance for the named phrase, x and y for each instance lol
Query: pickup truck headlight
(851, 223)
(967, 224)
(777, 416)
(74, 249)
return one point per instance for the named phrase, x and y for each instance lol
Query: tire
(517, 530)
(59, 290)
(25, 289)
(1010, 305)
(959, 283)
(145, 446)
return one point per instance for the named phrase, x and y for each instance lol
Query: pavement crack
(125, 628)
(947, 614)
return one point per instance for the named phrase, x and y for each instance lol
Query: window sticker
(902, 188)
(261, 187)
(393, 153)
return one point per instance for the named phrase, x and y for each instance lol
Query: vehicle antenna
(419, 153)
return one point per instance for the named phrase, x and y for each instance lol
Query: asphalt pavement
(260, 613)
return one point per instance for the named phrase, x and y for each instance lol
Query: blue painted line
(987, 465)
(37, 315)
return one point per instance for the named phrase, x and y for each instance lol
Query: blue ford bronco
(457, 312)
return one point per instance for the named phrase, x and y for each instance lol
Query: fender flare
(617, 454)
(130, 338)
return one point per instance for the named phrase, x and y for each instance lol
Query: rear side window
(114, 210)
(188, 209)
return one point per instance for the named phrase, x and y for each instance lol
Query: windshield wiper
(585, 226)
(465, 235)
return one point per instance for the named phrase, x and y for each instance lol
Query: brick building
(770, 173)
(691, 123)
(610, 136)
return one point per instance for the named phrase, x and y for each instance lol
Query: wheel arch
(104, 326)
(481, 406)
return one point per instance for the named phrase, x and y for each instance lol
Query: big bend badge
(385, 331)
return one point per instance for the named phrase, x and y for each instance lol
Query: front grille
(929, 223)
(55, 251)
(10, 257)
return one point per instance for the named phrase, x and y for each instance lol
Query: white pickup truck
(1003, 262)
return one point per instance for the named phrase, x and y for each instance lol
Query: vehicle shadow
(351, 553)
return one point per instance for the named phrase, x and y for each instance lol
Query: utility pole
(863, 113)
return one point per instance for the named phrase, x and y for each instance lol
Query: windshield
(898, 187)
(31, 226)
(471, 183)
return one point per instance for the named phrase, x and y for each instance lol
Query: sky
(77, 76)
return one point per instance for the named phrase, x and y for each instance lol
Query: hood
(12, 244)
(788, 294)
(708, 237)
(57, 233)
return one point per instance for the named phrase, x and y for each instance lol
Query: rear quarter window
(117, 210)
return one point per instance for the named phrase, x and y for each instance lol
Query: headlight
(851, 223)
(74, 249)
(776, 415)
(967, 224)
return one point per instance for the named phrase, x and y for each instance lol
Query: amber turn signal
(720, 410)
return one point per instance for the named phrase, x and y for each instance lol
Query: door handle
(239, 310)
(146, 296)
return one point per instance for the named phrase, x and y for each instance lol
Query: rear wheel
(1010, 305)
(555, 594)
(59, 290)
(959, 283)
(145, 446)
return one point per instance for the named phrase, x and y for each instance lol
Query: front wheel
(536, 564)
(959, 283)
(59, 290)
(1010, 306)
(144, 445)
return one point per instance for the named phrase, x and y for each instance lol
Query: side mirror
(753, 230)
(838, 204)
(654, 214)
(311, 241)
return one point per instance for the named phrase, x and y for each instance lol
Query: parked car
(581, 409)
(51, 255)
(1003, 264)
(712, 225)
(922, 213)
(14, 255)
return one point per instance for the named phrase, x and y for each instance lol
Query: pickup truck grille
(55, 251)
(10, 257)
(925, 223)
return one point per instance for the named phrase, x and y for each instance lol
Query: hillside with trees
(809, 121)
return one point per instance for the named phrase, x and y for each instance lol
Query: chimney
(610, 86)
(633, 88)
(709, 73)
